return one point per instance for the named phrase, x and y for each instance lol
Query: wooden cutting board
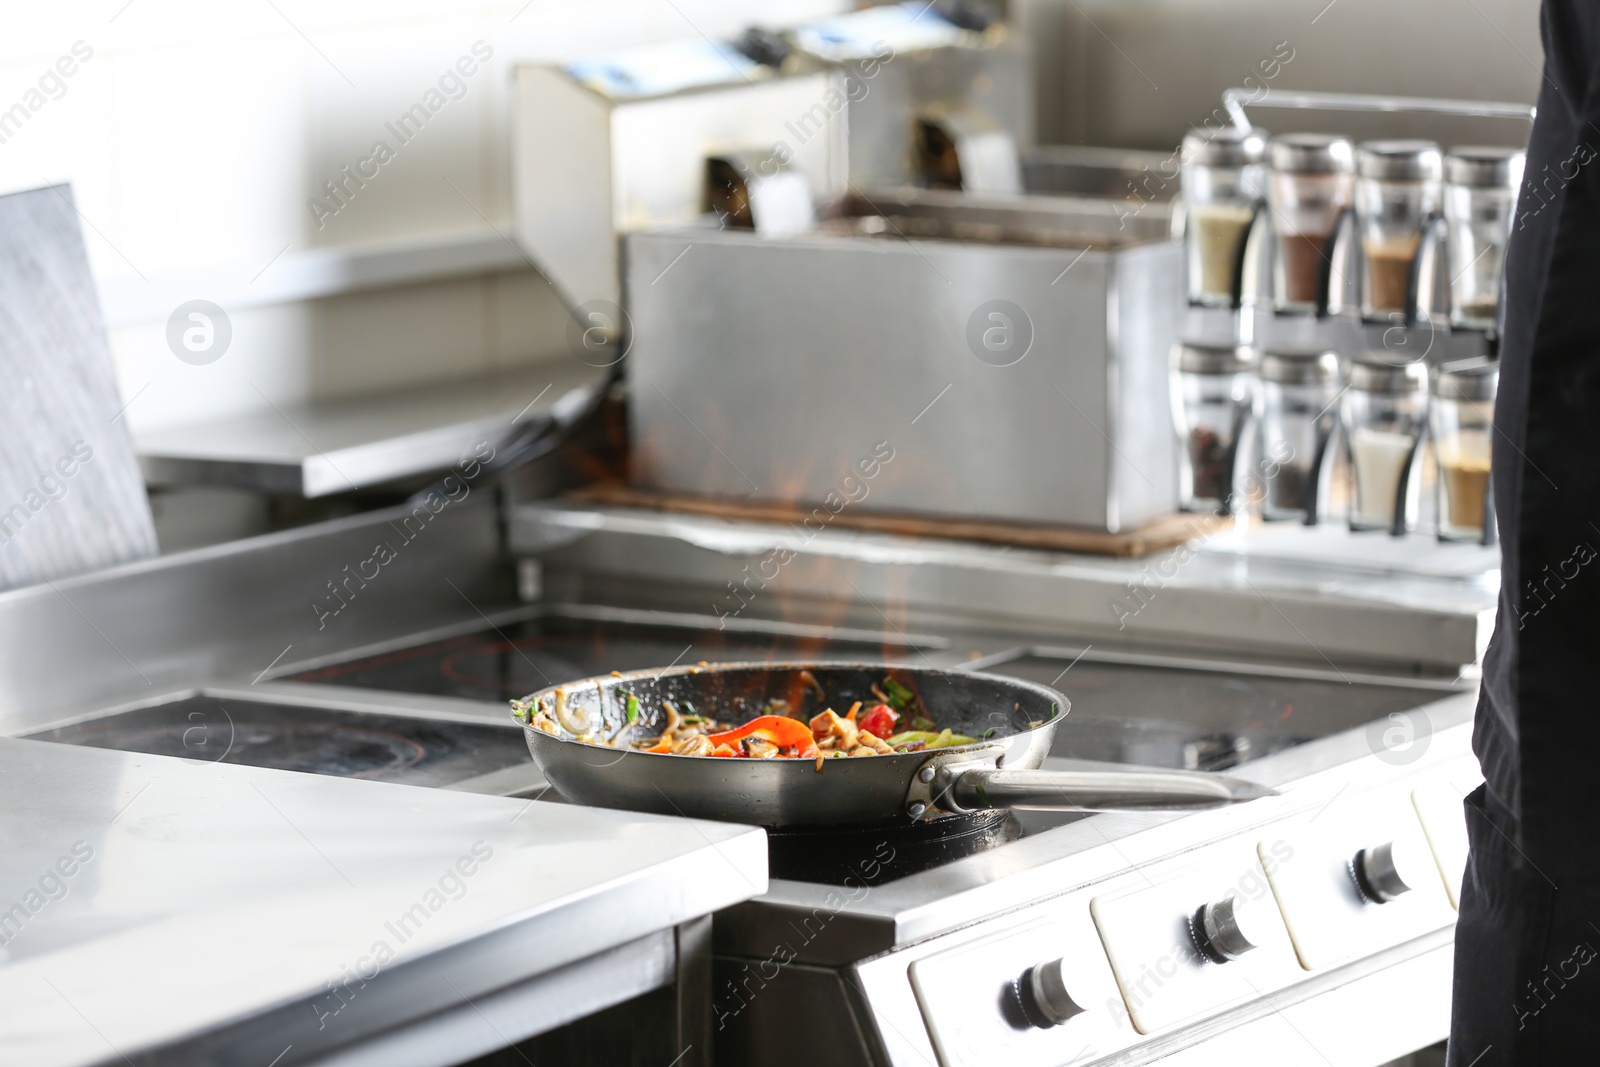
(71, 495)
(1163, 533)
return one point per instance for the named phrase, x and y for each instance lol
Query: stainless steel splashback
(143, 629)
(1012, 381)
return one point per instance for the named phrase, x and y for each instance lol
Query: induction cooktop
(501, 663)
(1124, 708)
(349, 744)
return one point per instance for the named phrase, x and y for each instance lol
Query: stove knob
(1377, 874)
(1220, 931)
(1042, 995)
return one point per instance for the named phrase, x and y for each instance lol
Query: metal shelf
(316, 449)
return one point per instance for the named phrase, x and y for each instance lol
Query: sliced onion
(575, 722)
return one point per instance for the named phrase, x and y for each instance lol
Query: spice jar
(1397, 191)
(1211, 392)
(1462, 420)
(1308, 187)
(1223, 179)
(1480, 196)
(1384, 413)
(1294, 421)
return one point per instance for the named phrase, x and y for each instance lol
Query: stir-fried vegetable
(779, 730)
(879, 722)
(774, 734)
(930, 739)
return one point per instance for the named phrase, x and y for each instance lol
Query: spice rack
(1426, 283)
(1359, 250)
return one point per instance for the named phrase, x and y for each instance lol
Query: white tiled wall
(197, 130)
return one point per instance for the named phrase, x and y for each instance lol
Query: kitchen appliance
(940, 93)
(927, 253)
(995, 338)
(878, 893)
(1012, 721)
(879, 935)
(614, 142)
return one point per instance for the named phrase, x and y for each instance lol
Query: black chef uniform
(1527, 971)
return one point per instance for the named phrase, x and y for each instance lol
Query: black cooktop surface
(384, 748)
(515, 659)
(1199, 719)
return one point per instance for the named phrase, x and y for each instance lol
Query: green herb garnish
(631, 708)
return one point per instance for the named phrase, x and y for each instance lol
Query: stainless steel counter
(334, 446)
(158, 910)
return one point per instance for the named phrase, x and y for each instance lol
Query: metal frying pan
(1015, 721)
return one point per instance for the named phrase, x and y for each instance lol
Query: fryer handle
(1132, 789)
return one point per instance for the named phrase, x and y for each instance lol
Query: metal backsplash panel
(789, 370)
(71, 495)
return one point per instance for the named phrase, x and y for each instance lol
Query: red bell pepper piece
(779, 729)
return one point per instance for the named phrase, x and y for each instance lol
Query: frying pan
(1014, 720)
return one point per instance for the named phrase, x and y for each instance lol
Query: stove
(1026, 937)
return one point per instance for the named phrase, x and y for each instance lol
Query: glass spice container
(1294, 416)
(1308, 188)
(1462, 423)
(1397, 190)
(1480, 198)
(1211, 390)
(1223, 178)
(1384, 414)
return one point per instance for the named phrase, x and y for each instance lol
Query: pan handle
(1131, 789)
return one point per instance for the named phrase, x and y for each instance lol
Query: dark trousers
(1527, 969)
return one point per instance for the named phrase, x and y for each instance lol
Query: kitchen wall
(1137, 73)
(196, 134)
